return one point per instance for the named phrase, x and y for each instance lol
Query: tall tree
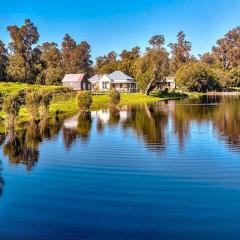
(152, 67)
(130, 55)
(227, 51)
(23, 55)
(50, 54)
(180, 52)
(3, 61)
(52, 71)
(208, 58)
(112, 57)
(76, 57)
(157, 41)
(83, 57)
(68, 46)
(107, 63)
(128, 58)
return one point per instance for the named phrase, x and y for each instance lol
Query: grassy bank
(101, 101)
(65, 103)
(7, 88)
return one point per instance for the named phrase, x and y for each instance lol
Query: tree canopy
(25, 61)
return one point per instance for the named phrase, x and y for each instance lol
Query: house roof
(95, 78)
(120, 76)
(169, 79)
(73, 77)
(116, 77)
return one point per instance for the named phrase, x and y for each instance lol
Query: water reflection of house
(72, 122)
(104, 115)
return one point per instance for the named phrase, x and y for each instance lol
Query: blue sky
(116, 25)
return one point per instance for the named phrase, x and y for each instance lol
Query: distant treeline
(25, 61)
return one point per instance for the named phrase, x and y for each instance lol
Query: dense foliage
(84, 100)
(196, 77)
(11, 106)
(114, 97)
(32, 101)
(25, 61)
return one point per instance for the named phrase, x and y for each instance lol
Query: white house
(167, 82)
(170, 81)
(118, 80)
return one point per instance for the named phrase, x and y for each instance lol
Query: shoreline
(65, 105)
(67, 108)
(223, 93)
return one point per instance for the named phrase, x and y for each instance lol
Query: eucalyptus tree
(153, 66)
(51, 64)
(227, 50)
(21, 65)
(76, 58)
(180, 52)
(3, 61)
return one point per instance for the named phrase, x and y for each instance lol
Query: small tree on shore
(84, 100)
(114, 97)
(45, 103)
(32, 101)
(11, 107)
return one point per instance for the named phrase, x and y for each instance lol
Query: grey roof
(73, 77)
(120, 76)
(169, 79)
(117, 77)
(95, 78)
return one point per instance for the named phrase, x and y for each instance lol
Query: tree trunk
(150, 87)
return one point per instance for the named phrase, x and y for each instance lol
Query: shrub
(11, 107)
(235, 77)
(45, 103)
(32, 101)
(84, 100)
(114, 97)
(196, 77)
(223, 77)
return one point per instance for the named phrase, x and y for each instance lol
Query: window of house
(84, 86)
(120, 85)
(104, 85)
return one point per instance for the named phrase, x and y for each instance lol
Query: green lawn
(7, 88)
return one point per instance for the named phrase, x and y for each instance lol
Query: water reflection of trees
(23, 146)
(1, 180)
(2, 139)
(69, 137)
(226, 121)
(149, 122)
(183, 115)
(224, 116)
(84, 126)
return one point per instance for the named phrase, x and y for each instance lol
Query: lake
(170, 170)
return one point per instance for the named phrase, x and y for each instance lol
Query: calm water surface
(164, 171)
